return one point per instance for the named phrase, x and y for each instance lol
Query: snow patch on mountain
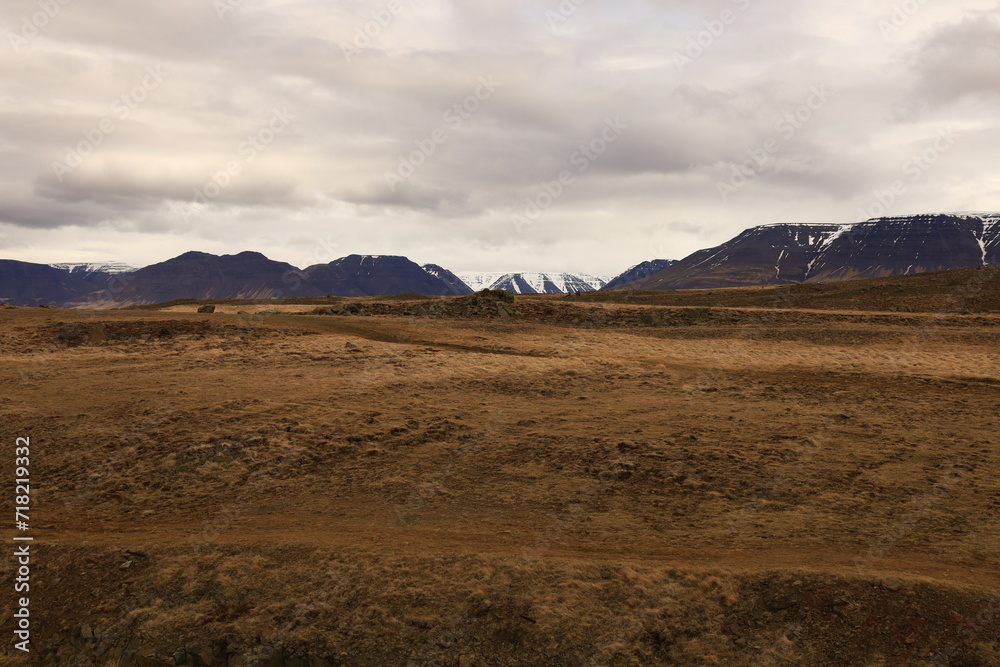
(534, 283)
(95, 267)
(453, 282)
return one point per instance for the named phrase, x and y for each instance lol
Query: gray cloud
(190, 159)
(960, 59)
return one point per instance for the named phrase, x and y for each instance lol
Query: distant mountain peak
(248, 254)
(534, 282)
(94, 267)
(380, 275)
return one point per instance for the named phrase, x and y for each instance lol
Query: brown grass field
(577, 483)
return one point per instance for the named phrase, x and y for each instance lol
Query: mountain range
(535, 283)
(785, 253)
(251, 275)
(775, 254)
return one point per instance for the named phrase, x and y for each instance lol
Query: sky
(522, 135)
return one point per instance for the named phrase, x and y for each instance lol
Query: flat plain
(562, 481)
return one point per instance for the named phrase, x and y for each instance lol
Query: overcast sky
(134, 130)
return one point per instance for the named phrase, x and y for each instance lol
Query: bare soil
(566, 483)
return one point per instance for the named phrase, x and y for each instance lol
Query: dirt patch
(320, 608)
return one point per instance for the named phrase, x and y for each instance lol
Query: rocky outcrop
(348, 309)
(482, 304)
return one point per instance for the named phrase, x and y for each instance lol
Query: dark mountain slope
(786, 253)
(638, 272)
(375, 275)
(199, 275)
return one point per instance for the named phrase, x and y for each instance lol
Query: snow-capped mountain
(29, 284)
(88, 268)
(534, 283)
(785, 253)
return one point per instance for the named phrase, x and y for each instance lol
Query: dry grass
(511, 492)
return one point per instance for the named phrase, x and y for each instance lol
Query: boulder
(355, 308)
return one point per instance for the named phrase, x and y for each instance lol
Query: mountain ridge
(378, 275)
(777, 253)
(540, 282)
(638, 272)
(787, 253)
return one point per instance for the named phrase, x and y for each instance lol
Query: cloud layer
(474, 135)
